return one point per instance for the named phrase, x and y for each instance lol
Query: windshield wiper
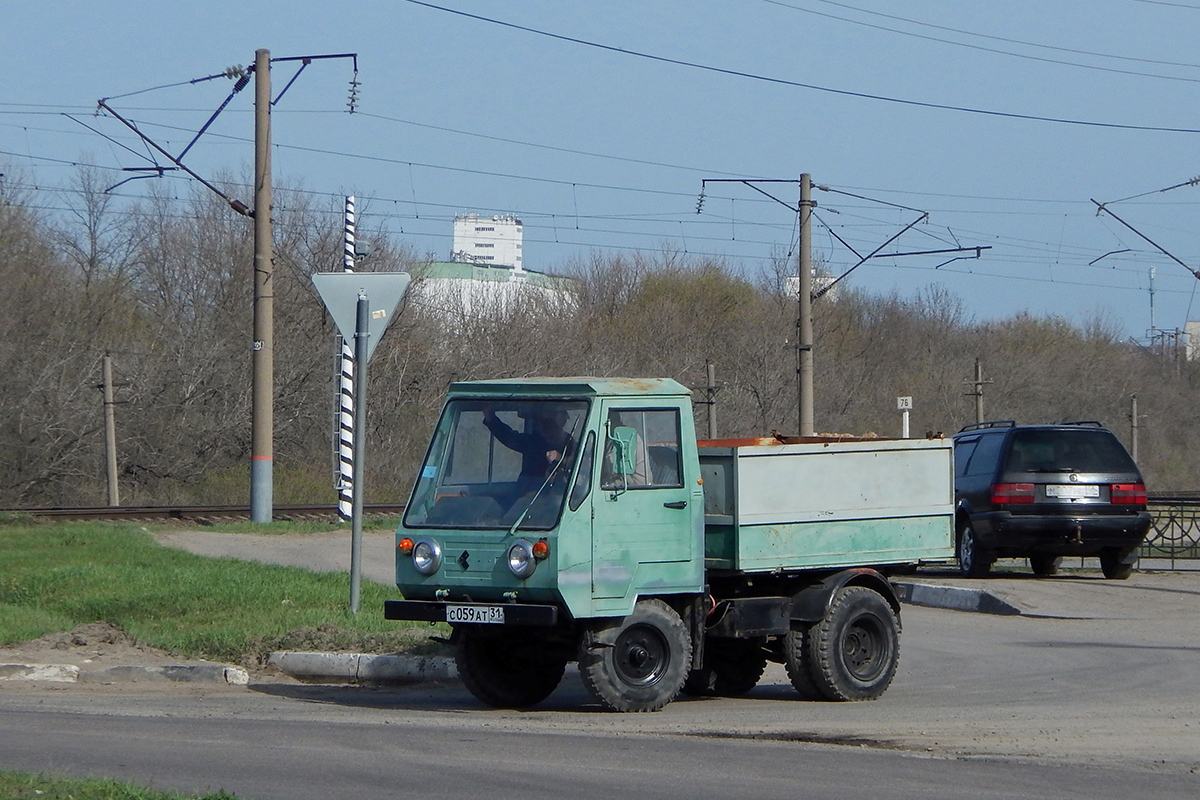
(550, 474)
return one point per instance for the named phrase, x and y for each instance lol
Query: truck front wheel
(637, 663)
(852, 653)
(505, 672)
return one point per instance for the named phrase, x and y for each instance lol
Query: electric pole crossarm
(750, 183)
(872, 254)
(236, 205)
(237, 87)
(976, 250)
(1101, 207)
(834, 234)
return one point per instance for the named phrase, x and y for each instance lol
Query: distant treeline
(164, 286)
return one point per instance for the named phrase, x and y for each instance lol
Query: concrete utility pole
(711, 388)
(978, 385)
(1133, 432)
(263, 414)
(804, 357)
(110, 433)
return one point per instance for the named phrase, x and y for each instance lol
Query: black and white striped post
(345, 435)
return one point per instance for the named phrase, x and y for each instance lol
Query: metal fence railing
(1176, 530)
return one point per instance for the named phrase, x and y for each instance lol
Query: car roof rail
(996, 423)
(1095, 423)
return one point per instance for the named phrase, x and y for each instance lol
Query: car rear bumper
(1018, 534)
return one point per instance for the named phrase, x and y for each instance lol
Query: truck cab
(503, 522)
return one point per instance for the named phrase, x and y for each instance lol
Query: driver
(541, 448)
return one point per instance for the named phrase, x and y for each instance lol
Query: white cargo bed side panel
(843, 481)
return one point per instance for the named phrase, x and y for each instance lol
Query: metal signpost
(904, 405)
(353, 299)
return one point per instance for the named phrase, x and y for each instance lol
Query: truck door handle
(676, 504)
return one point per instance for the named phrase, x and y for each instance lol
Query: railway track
(200, 515)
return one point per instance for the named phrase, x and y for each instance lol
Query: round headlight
(426, 556)
(520, 559)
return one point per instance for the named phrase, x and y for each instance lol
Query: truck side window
(656, 454)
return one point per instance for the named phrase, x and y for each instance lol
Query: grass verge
(24, 785)
(54, 577)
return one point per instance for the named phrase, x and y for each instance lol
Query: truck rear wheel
(637, 663)
(798, 661)
(852, 653)
(732, 667)
(505, 672)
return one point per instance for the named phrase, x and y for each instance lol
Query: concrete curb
(55, 673)
(178, 673)
(399, 669)
(954, 598)
(363, 667)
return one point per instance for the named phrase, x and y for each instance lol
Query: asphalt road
(300, 742)
(1093, 691)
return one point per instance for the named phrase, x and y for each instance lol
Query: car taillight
(1133, 494)
(1012, 493)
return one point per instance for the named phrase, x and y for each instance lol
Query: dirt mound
(93, 643)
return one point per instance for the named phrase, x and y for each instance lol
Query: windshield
(493, 464)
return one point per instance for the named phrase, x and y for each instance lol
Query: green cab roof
(573, 386)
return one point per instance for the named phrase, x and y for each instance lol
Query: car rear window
(1064, 450)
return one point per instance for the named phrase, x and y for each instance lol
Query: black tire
(973, 560)
(1112, 566)
(854, 651)
(1044, 565)
(798, 660)
(505, 671)
(638, 663)
(732, 667)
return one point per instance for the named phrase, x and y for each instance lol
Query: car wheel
(1112, 566)
(973, 560)
(1044, 565)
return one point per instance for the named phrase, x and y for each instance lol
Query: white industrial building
(494, 241)
(820, 282)
(485, 273)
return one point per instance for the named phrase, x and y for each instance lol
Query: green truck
(560, 520)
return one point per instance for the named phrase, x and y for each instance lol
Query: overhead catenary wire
(811, 86)
(1026, 56)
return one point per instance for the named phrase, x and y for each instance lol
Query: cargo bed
(816, 503)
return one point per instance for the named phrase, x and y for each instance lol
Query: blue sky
(899, 108)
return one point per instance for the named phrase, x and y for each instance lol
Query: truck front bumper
(435, 611)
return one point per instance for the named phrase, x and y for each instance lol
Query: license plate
(477, 614)
(1068, 490)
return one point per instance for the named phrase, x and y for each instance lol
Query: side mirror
(624, 450)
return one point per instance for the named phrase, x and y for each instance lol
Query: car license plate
(1067, 490)
(477, 614)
